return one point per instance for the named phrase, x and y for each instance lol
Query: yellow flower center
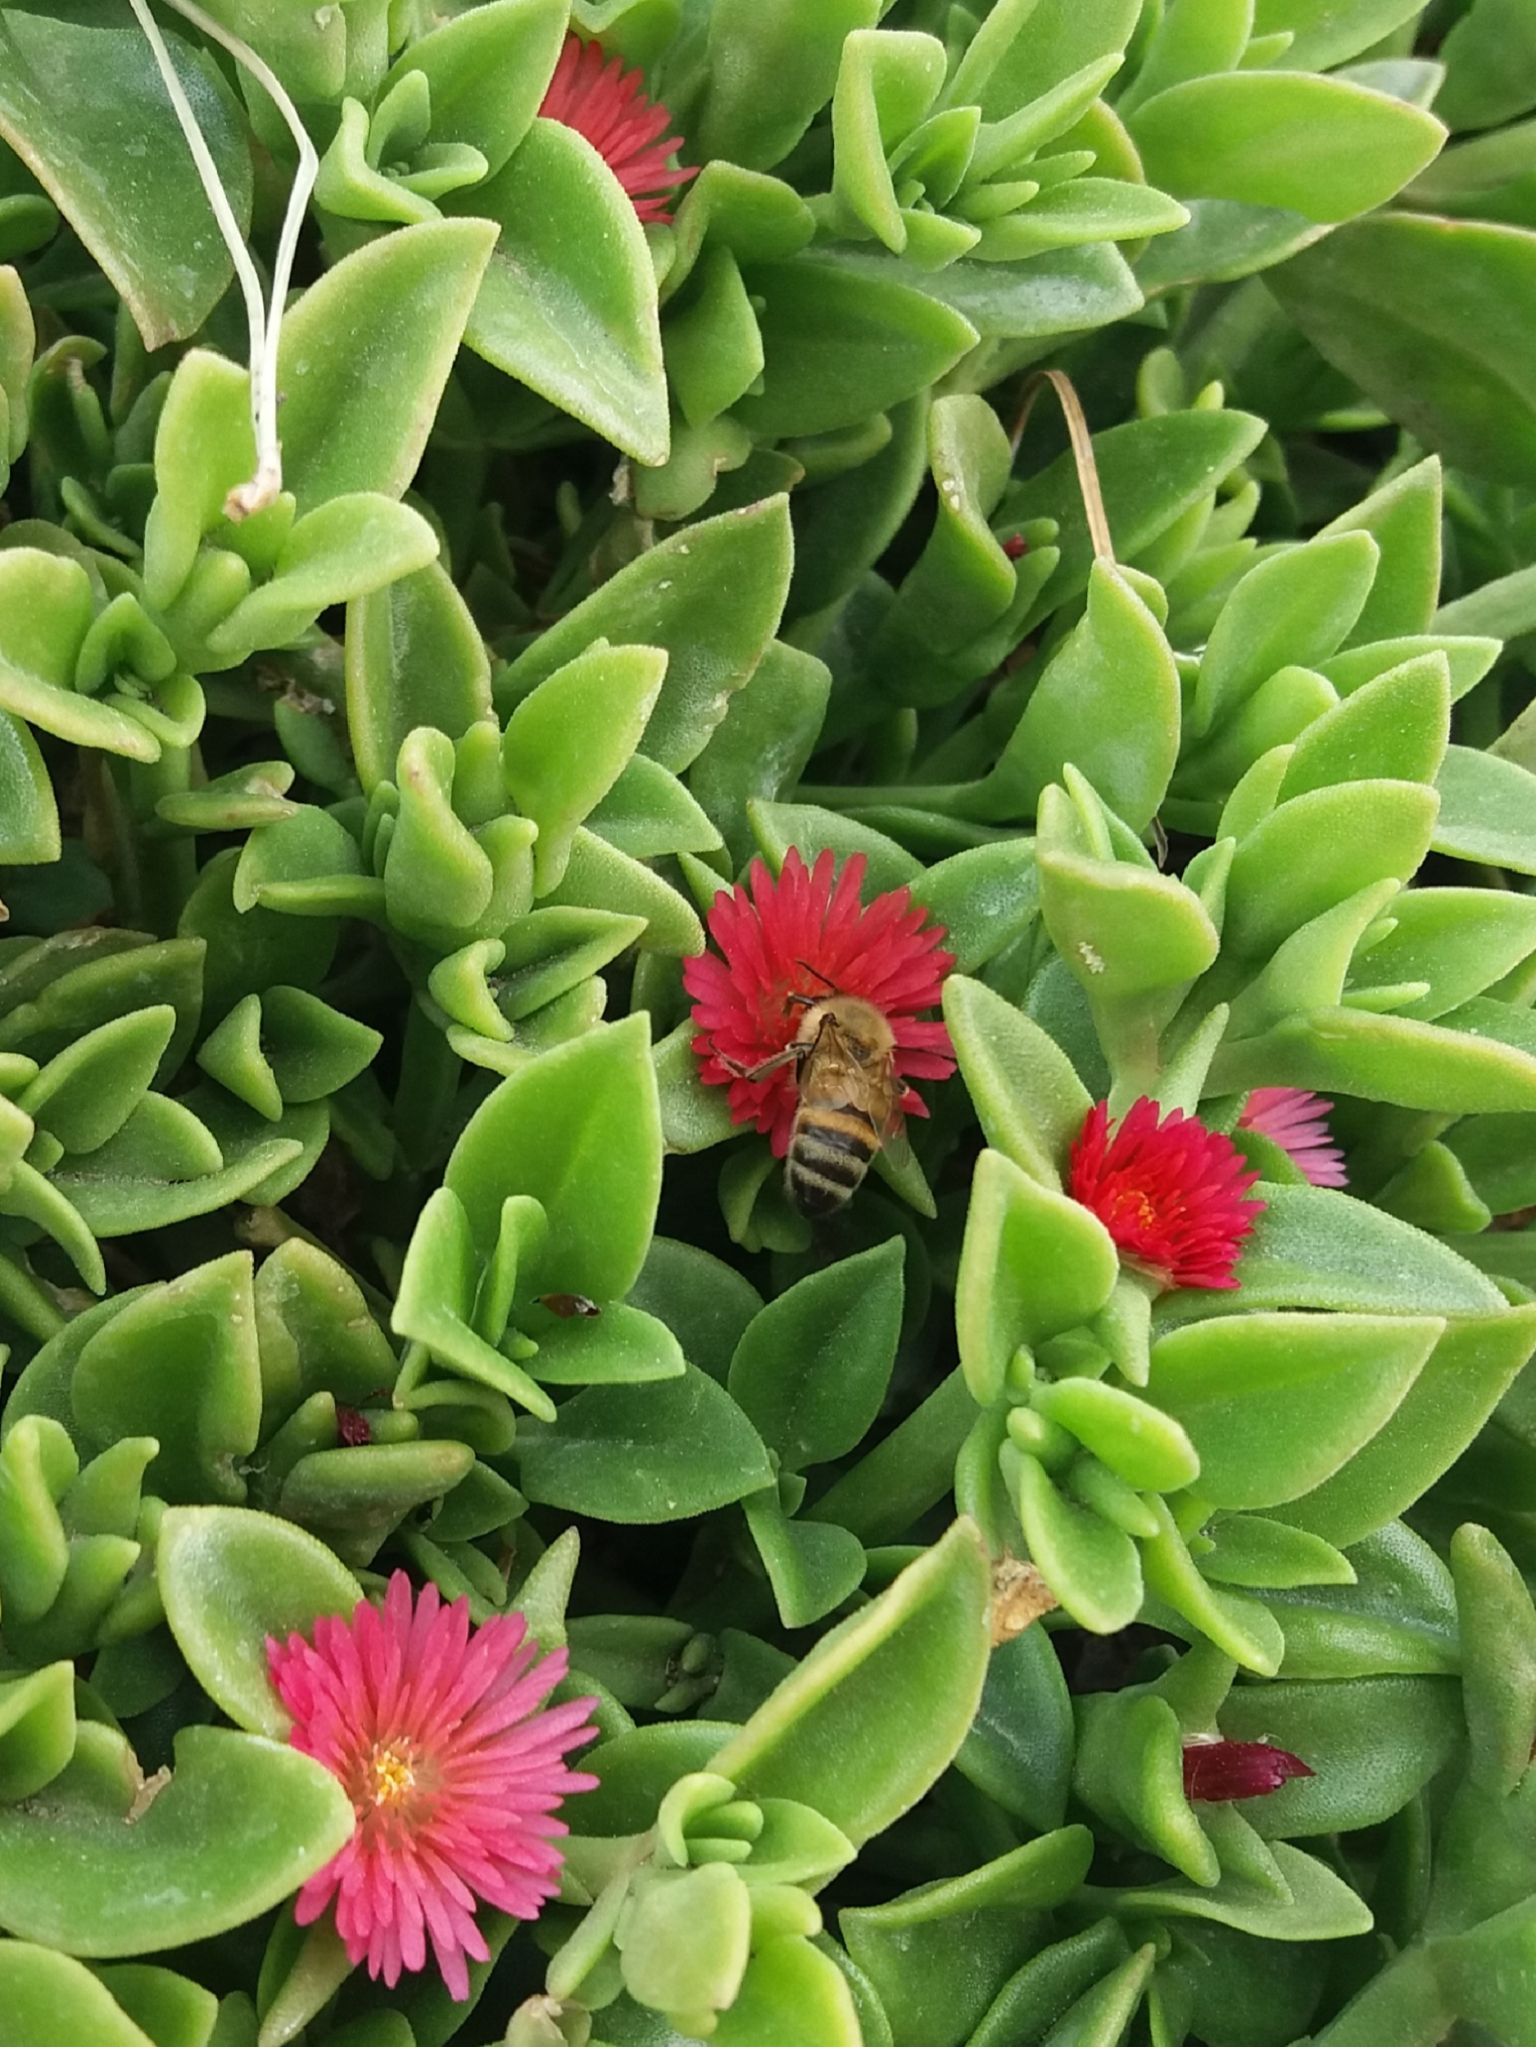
(391, 1776)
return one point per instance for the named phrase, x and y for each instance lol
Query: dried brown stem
(1082, 453)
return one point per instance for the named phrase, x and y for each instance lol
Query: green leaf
(47, 605)
(1059, 1984)
(488, 71)
(1398, 1616)
(205, 445)
(399, 304)
(1034, 1263)
(86, 1093)
(684, 1938)
(438, 1295)
(1463, 1379)
(938, 1955)
(1373, 1744)
(1316, 1248)
(572, 316)
(42, 1991)
(608, 693)
(621, 1345)
(1428, 317)
(1239, 1383)
(838, 347)
(1292, 609)
(179, 1363)
(1403, 518)
(1124, 1432)
(1108, 704)
(1399, 722)
(1321, 147)
(231, 1579)
(600, 877)
(83, 104)
(1092, 1568)
(812, 830)
(1326, 33)
(1321, 1905)
(811, 1369)
(239, 1824)
(813, 1566)
(710, 597)
(37, 1728)
(644, 1454)
(343, 549)
(793, 1990)
(1499, 1659)
(413, 657)
(1028, 1097)
(706, 1303)
(580, 1130)
(1490, 58)
(762, 744)
(1019, 1748)
(868, 1720)
(29, 816)
(769, 69)
(1005, 68)
(162, 1167)
(1487, 810)
(1313, 852)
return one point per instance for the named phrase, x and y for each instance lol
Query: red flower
(1215, 1771)
(454, 1767)
(609, 106)
(1169, 1193)
(1298, 1122)
(803, 936)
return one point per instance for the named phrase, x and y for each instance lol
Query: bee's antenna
(817, 974)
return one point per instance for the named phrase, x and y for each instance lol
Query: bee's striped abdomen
(829, 1154)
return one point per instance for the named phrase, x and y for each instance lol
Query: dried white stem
(265, 320)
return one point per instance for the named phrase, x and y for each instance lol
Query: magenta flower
(1215, 1771)
(454, 1765)
(1298, 1122)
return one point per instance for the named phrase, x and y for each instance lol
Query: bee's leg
(787, 1057)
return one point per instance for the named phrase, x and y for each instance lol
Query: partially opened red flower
(1170, 1192)
(807, 935)
(608, 105)
(1215, 1771)
(1297, 1121)
(454, 1765)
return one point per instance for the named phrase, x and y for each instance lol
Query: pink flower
(804, 936)
(1298, 1122)
(1215, 1771)
(454, 1766)
(1170, 1193)
(609, 106)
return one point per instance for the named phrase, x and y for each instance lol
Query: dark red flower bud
(1215, 1771)
(1014, 546)
(353, 1427)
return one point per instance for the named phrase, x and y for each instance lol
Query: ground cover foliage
(1001, 1629)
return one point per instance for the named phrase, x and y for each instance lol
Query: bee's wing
(892, 1126)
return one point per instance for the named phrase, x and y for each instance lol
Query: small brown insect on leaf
(568, 1305)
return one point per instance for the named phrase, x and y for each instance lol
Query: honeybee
(844, 1056)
